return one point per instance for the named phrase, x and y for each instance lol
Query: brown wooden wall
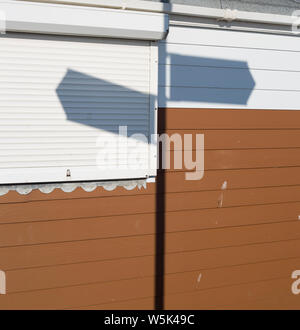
(232, 248)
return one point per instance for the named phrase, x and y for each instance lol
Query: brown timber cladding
(97, 250)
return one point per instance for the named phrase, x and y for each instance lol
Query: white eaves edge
(179, 9)
(34, 17)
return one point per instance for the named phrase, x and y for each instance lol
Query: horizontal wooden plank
(47, 277)
(231, 256)
(76, 229)
(231, 198)
(133, 225)
(239, 139)
(209, 239)
(135, 304)
(232, 179)
(198, 119)
(85, 207)
(192, 282)
(123, 247)
(115, 270)
(228, 276)
(241, 158)
(82, 208)
(235, 297)
(144, 224)
(240, 254)
(82, 295)
(282, 301)
(78, 274)
(230, 217)
(75, 252)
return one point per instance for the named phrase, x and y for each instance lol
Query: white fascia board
(179, 9)
(219, 14)
(33, 17)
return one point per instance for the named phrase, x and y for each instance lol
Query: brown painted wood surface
(224, 248)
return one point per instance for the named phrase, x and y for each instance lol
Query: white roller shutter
(62, 100)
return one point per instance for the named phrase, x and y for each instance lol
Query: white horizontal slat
(71, 164)
(68, 128)
(227, 38)
(71, 153)
(30, 76)
(67, 95)
(74, 111)
(60, 96)
(84, 59)
(229, 98)
(105, 106)
(31, 142)
(94, 62)
(213, 56)
(63, 81)
(47, 143)
(87, 55)
(16, 135)
(90, 67)
(96, 103)
(75, 116)
(60, 122)
(18, 88)
(67, 161)
(189, 76)
(79, 145)
(87, 73)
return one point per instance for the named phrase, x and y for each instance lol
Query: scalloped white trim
(47, 188)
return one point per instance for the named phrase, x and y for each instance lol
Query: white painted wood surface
(208, 68)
